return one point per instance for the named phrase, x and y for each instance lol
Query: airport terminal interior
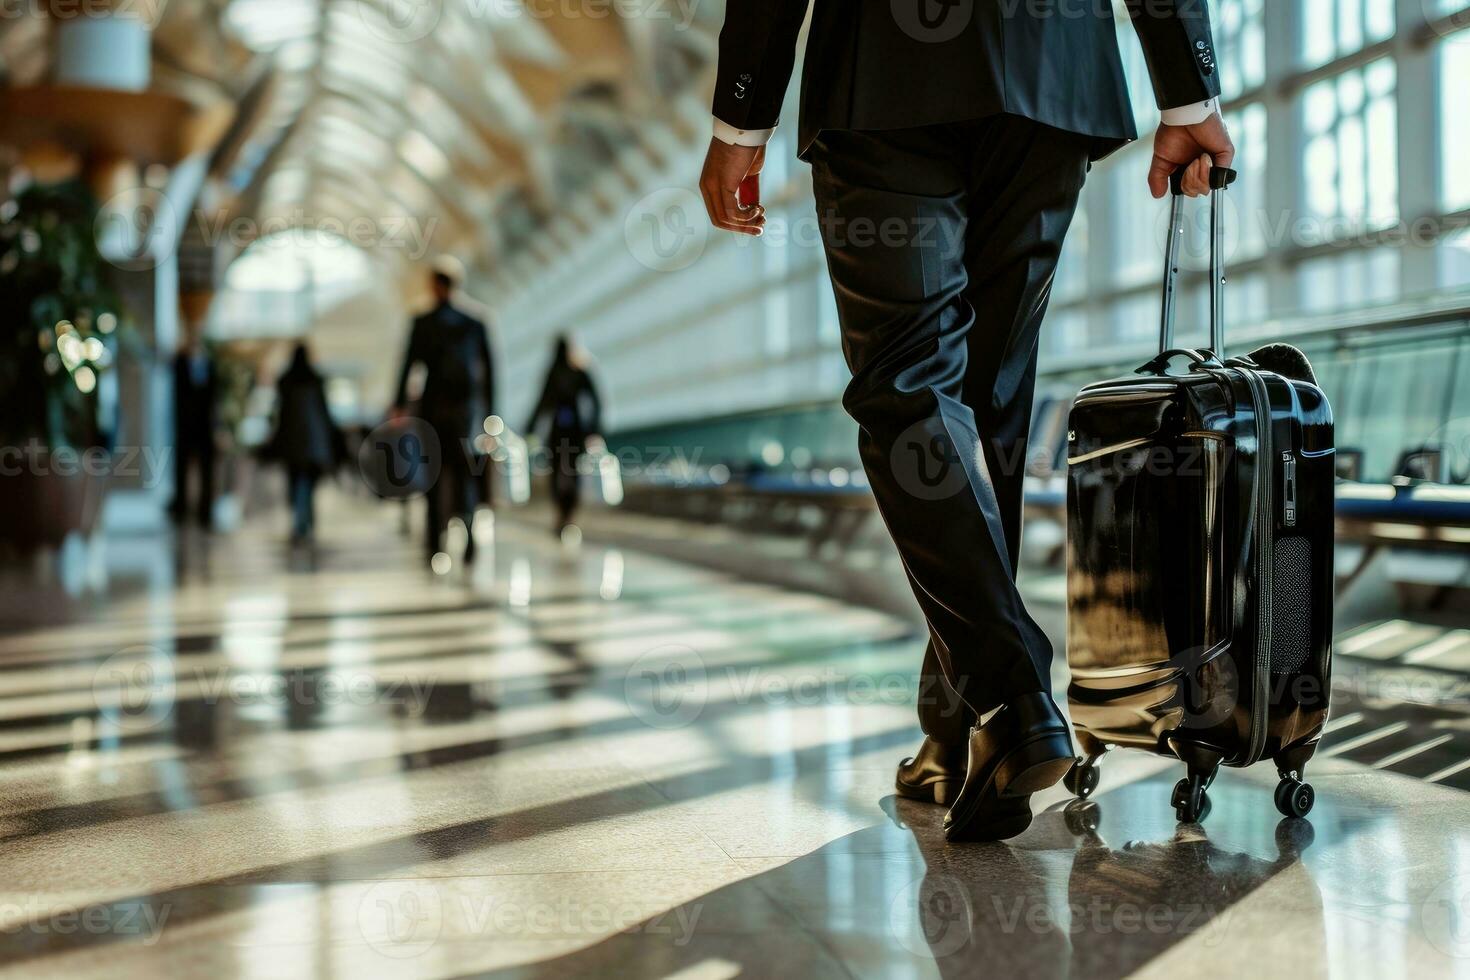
(261, 717)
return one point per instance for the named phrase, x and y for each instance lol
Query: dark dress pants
(455, 492)
(942, 242)
(568, 446)
(194, 453)
(302, 483)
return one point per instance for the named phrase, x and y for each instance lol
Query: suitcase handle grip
(1220, 178)
(1198, 358)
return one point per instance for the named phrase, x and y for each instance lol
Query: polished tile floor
(225, 758)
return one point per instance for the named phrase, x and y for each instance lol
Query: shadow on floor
(895, 899)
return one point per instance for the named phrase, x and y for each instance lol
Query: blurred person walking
(458, 395)
(306, 440)
(196, 398)
(570, 406)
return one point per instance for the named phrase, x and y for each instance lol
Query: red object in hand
(749, 192)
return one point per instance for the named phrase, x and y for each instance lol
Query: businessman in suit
(196, 397)
(458, 395)
(949, 141)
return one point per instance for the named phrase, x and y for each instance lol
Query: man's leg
(294, 478)
(895, 214)
(178, 508)
(943, 714)
(434, 512)
(564, 478)
(465, 495)
(206, 485)
(1010, 260)
(1024, 181)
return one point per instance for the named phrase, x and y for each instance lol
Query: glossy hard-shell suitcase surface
(1199, 569)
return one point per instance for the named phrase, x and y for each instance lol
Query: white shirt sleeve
(726, 133)
(1185, 115)
(1189, 115)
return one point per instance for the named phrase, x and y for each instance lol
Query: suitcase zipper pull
(1288, 489)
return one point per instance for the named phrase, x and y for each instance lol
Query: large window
(1246, 300)
(1395, 401)
(1331, 29)
(1136, 319)
(1454, 260)
(1357, 278)
(1443, 8)
(1065, 332)
(1249, 220)
(1454, 130)
(1350, 165)
(1070, 282)
(1240, 37)
(1137, 220)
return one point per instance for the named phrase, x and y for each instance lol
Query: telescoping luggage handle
(1220, 178)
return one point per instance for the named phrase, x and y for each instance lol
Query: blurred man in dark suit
(949, 141)
(196, 392)
(458, 394)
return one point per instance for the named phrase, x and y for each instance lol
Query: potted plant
(59, 337)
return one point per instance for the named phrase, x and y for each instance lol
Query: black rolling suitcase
(1199, 556)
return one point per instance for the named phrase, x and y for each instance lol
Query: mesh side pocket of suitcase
(1292, 604)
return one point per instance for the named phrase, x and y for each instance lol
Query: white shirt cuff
(726, 133)
(1189, 115)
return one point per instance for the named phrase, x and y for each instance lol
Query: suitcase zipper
(1288, 489)
(1263, 514)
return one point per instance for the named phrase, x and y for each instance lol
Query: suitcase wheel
(1082, 778)
(1082, 817)
(1191, 803)
(1294, 798)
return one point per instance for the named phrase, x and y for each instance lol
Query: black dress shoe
(936, 774)
(1022, 749)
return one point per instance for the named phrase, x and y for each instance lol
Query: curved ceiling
(486, 118)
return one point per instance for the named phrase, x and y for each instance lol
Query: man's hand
(1202, 146)
(725, 166)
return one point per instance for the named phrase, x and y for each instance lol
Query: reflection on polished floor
(595, 761)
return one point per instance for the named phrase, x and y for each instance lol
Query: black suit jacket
(194, 404)
(459, 380)
(891, 64)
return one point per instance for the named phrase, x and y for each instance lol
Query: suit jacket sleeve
(1179, 49)
(757, 52)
